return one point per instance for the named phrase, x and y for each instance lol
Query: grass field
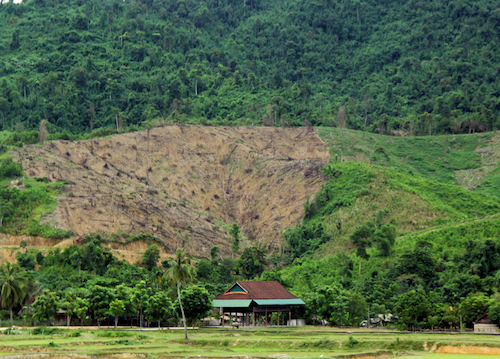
(309, 342)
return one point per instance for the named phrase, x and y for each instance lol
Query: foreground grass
(309, 342)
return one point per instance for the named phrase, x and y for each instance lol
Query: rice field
(306, 342)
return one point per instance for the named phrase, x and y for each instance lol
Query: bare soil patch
(468, 349)
(183, 184)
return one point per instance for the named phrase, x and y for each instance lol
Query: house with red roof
(253, 303)
(484, 324)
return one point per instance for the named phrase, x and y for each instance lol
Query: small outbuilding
(251, 303)
(485, 325)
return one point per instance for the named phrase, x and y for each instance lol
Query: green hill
(397, 67)
(470, 161)
(357, 193)
(378, 237)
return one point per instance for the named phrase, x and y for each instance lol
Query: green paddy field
(306, 342)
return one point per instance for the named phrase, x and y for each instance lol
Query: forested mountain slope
(405, 67)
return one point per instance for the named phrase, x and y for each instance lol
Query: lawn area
(308, 342)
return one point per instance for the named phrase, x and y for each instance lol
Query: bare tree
(42, 131)
(92, 111)
(268, 120)
(341, 116)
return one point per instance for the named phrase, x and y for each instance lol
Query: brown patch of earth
(10, 245)
(490, 157)
(468, 349)
(185, 185)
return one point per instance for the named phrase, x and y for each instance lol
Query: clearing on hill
(185, 185)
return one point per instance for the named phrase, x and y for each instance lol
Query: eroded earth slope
(185, 185)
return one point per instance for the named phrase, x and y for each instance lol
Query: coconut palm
(180, 272)
(14, 282)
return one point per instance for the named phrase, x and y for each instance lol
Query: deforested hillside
(185, 185)
(350, 222)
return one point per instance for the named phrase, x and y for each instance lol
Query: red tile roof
(258, 290)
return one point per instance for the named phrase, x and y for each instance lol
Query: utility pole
(368, 322)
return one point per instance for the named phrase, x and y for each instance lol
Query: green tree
(159, 306)
(45, 306)
(116, 308)
(126, 295)
(27, 260)
(362, 239)
(181, 272)
(494, 309)
(197, 303)
(81, 307)
(234, 231)
(356, 307)
(385, 237)
(214, 252)
(67, 303)
(252, 261)
(330, 303)
(6, 209)
(412, 308)
(150, 257)
(14, 281)
(474, 306)
(99, 299)
(141, 294)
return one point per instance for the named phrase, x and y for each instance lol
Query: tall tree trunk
(12, 318)
(182, 310)
(68, 320)
(116, 321)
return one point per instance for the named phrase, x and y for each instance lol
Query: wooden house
(254, 302)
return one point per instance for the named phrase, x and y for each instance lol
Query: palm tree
(181, 272)
(14, 282)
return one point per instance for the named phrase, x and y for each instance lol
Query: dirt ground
(184, 184)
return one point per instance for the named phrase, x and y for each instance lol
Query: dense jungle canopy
(395, 67)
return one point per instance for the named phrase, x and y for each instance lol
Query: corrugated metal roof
(231, 303)
(291, 301)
